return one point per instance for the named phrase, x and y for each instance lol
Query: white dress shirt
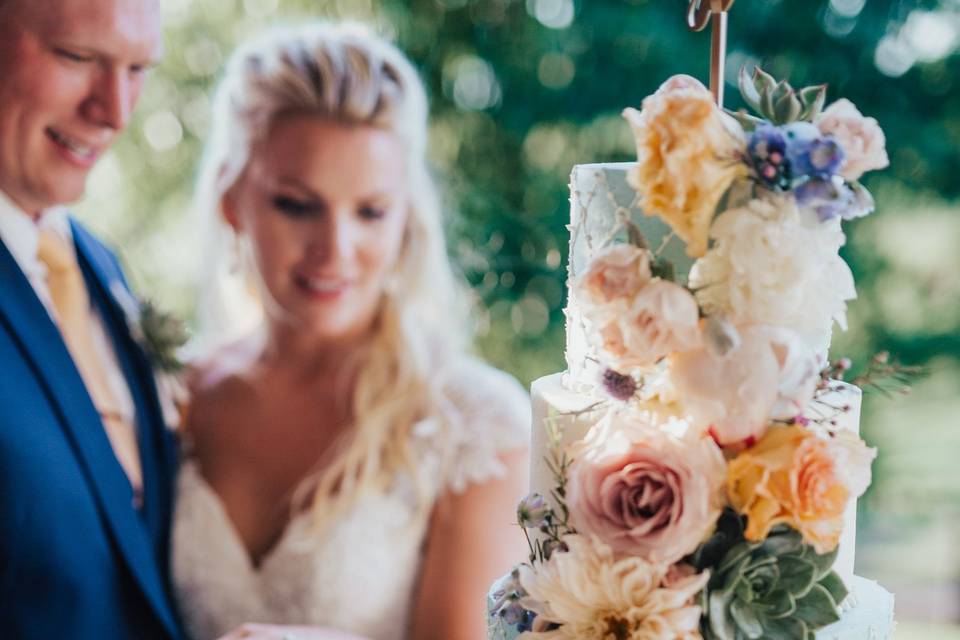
(21, 233)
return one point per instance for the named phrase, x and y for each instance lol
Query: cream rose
(769, 373)
(862, 138)
(688, 154)
(644, 492)
(771, 264)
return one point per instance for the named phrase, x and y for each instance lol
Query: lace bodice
(358, 574)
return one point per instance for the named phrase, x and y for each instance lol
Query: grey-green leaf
(746, 620)
(817, 608)
(835, 587)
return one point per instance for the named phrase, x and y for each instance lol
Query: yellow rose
(688, 154)
(794, 476)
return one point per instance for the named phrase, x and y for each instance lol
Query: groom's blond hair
(346, 73)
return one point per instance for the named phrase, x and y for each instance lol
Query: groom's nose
(112, 98)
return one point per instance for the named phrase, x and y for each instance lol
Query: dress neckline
(191, 469)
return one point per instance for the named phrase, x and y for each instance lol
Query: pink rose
(862, 138)
(770, 373)
(645, 492)
(617, 272)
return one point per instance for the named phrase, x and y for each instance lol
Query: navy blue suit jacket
(77, 559)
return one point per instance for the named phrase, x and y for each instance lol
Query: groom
(86, 463)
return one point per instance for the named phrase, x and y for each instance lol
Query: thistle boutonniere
(159, 333)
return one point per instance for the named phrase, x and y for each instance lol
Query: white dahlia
(772, 264)
(593, 596)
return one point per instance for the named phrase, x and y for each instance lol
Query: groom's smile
(72, 72)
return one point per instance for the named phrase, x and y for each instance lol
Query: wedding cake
(695, 470)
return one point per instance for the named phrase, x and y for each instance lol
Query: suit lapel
(41, 342)
(157, 454)
(157, 450)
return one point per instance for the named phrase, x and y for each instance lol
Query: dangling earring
(236, 257)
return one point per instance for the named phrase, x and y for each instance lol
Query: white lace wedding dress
(360, 573)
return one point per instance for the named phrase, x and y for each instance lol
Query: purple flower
(506, 595)
(533, 511)
(810, 153)
(620, 386)
(833, 198)
(767, 149)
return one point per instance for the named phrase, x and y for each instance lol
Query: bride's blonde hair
(345, 73)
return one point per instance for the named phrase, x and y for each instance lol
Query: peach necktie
(68, 292)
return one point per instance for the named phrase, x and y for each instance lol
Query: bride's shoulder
(486, 413)
(478, 390)
(218, 382)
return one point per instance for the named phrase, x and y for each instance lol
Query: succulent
(778, 589)
(777, 102)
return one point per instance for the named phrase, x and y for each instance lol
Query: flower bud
(533, 511)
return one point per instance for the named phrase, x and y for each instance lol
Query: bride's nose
(333, 239)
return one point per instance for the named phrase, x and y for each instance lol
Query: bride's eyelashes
(296, 207)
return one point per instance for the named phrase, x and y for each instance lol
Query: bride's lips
(322, 287)
(76, 151)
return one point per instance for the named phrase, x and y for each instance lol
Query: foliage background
(521, 90)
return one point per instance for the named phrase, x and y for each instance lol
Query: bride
(349, 467)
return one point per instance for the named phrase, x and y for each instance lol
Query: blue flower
(767, 149)
(810, 153)
(833, 198)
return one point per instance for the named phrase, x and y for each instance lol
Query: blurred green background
(521, 90)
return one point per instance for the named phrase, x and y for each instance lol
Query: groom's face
(70, 74)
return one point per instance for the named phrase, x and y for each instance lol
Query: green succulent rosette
(777, 102)
(778, 589)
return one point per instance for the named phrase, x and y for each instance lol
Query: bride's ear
(228, 207)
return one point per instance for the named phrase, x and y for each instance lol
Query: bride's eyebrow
(293, 183)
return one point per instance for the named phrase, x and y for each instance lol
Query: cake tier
(570, 408)
(602, 207)
(867, 616)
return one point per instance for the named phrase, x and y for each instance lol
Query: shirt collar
(20, 232)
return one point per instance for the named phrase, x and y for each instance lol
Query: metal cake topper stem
(699, 13)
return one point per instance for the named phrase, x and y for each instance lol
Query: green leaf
(824, 563)
(777, 604)
(720, 623)
(813, 99)
(835, 587)
(635, 236)
(797, 575)
(662, 268)
(784, 629)
(735, 556)
(763, 81)
(788, 108)
(747, 121)
(783, 542)
(746, 620)
(748, 90)
(817, 608)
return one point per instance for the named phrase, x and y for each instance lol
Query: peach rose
(688, 154)
(618, 272)
(862, 138)
(796, 477)
(644, 492)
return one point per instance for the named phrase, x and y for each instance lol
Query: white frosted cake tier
(571, 408)
(868, 615)
(602, 206)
